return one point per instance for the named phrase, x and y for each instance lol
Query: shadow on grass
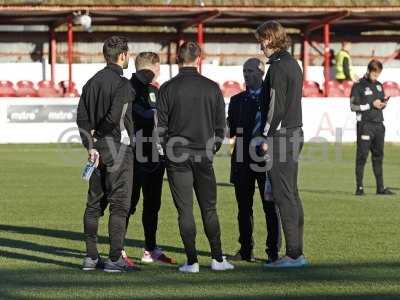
(237, 284)
(34, 258)
(66, 252)
(68, 235)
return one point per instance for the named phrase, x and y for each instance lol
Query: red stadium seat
(311, 89)
(63, 87)
(391, 89)
(25, 83)
(6, 83)
(25, 88)
(7, 89)
(46, 88)
(347, 85)
(335, 89)
(230, 88)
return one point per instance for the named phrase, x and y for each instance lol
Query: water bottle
(89, 167)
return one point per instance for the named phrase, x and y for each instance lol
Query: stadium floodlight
(84, 20)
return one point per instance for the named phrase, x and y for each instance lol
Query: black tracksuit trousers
(148, 178)
(183, 177)
(370, 137)
(110, 184)
(244, 191)
(286, 148)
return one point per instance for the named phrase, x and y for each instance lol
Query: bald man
(247, 167)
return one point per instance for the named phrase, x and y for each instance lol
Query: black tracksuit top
(143, 112)
(103, 104)
(363, 93)
(282, 94)
(192, 107)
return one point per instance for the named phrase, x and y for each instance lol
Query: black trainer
(119, 266)
(385, 192)
(360, 191)
(239, 257)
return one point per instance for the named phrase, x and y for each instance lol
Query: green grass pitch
(353, 243)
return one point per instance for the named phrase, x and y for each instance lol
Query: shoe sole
(191, 272)
(113, 271)
(147, 261)
(286, 266)
(88, 269)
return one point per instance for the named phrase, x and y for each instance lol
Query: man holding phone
(368, 100)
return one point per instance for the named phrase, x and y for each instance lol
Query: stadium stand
(7, 89)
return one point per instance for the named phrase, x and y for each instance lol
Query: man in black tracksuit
(101, 116)
(148, 167)
(244, 122)
(282, 126)
(191, 116)
(368, 100)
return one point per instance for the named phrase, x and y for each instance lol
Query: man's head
(115, 50)
(189, 54)
(253, 73)
(374, 69)
(148, 61)
(346, 45)
(272, 37)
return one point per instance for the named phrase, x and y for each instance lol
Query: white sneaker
(221, 266)
(147, 257)
(189, 268)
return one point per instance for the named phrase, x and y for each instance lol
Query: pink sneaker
(129, 262)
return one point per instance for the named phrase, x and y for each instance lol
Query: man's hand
(264, 148)
(94, 156)
(378, 104)
(92, 132)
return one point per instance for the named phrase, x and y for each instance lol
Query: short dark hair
(275, 33)
(144, 59)
(375, 66)
(113, 47)
(188, 52)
